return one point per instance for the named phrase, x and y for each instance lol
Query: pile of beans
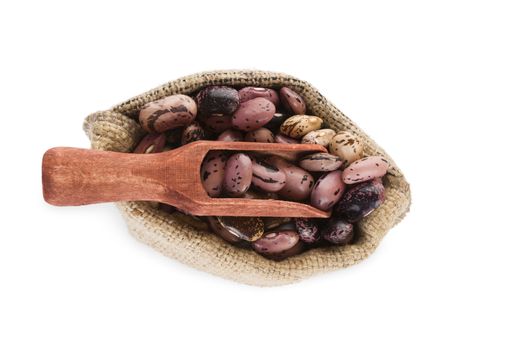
(342, 180)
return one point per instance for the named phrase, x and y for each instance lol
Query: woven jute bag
(178, 237)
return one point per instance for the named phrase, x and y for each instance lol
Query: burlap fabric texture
(175, 236)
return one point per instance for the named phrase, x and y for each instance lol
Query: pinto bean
(320, 162)
(267, 177)
(253, 114)
(278, 245)
(365, 169)
(327, 191)
(238, 174)
(212, 172)
(168, 113)
(259, 135)
(292, 101)
(251, 92)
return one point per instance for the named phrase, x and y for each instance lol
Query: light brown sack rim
(116, 130)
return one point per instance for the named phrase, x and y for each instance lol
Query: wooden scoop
(75, 176)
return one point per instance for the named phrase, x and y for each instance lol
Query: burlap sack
(176, 237)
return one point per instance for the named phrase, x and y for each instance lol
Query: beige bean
(300, 125)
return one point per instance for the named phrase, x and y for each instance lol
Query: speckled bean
(292, 101)
(259, 135)
(300, 125)
(217, 100)
(231, 135)
(151, 143)
(212, 172)
(267, 177)
(345, 145)
(253, 114)
(338, 231)
(251, 92)
(327, 191)
(278, 245)
(320, 162)
(237, 174)
(168, 113)
(307, 229)
(193, 132)
(360, 200)
(319, 137)
(365, 169)
(299, 182)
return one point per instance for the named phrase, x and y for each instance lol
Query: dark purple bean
(292, 101)
(307, 229)
(217, 100)
(151, 143)
(361, 199)
(267, 177)
(278, 245)
(251, 92)
(253, 114)
(327, 191)
(238, 174)
(338, 231)
(275, 123)
(212, 172)
(231, 135)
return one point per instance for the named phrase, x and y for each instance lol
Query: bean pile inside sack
(341, 180)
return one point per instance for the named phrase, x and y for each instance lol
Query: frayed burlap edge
(116, 130)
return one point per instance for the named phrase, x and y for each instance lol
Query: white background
(439, 84)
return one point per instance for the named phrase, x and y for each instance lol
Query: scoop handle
(76, 176)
